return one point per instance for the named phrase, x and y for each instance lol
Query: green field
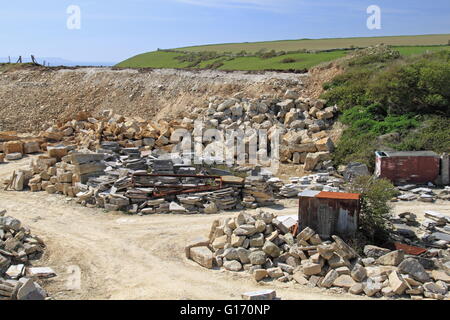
(285, 54)
(324, 44)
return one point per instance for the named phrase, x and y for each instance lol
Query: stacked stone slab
(265, 247)
(18, 248)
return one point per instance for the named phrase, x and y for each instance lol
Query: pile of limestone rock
(18, 248)
(265, 246)
(302, 122)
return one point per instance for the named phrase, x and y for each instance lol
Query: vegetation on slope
(243, 60)
(392, 101)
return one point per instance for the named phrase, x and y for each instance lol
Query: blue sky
(113, 30)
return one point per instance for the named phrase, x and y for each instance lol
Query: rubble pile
(432, 232)
(268, 248)
(412, 192)
(18, 247)
(320, 182)
(302, 123)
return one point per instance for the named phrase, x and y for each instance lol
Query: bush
(288, 60)
(434, 134)
(375, 207)
(408, 85)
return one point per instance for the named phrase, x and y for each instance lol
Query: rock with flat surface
(310, 268)
(30, 290)
(232, 265)
(359, 273)
(393, 258)
(271, 249)
(356, 289)
(344, 281)
(260, 295)
(260, 274)
(329, 279)
(203, 256)
(397, 283)
(435, 288)
(257, 257)
(413, 267)
(374, 251)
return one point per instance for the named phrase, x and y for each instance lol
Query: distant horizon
(62, 61)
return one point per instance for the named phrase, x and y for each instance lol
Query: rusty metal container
(329, 213)
(407, 166)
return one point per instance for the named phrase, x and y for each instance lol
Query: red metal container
(407, 167)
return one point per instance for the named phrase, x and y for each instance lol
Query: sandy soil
(132, 257)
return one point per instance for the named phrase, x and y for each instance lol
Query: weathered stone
(397, 283)
(260, 274)
(306, 234)
(202, 255)
(245, 230)
(375, 252)
(412, 267)
(343, 270)
(393, 258)
(260, 226)
(237, 241)
(15, 271)
(372, 287)
(310, 268)
(257, 258)
(220, 242)
(260, 295)
(326, 251)
(387, 292)
(40, 272)
(243, 255)
(347, 251)
(257, 240)
(336, 262)
(271, 249)
(232, 265)
(356, 289)
(329, 279)
(14, 156)
(344, 281)
(439, 275)
(300, 278)
(275, 273)
(435, 288)
(231, 254)
(30, 290)
(359, 273)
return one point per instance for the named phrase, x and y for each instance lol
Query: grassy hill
(277, 55)
(324, 44)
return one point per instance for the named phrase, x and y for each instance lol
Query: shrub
(288, 60)
(375, 207)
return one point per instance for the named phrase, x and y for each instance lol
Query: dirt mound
(34, 97)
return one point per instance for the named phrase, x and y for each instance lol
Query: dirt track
(132, 257)
(129, 257)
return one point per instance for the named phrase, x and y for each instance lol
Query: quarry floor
(131, 257)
